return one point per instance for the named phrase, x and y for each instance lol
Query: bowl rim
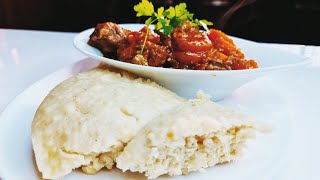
(77, 43)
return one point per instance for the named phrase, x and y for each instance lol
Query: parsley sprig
(166, 19)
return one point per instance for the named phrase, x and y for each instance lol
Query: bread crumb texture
(88, 119)
(196, 135)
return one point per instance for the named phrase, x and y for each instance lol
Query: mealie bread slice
(87, 120)
(196, 135)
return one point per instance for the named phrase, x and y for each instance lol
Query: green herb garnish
(166, 20)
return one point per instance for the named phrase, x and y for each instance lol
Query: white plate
(186, 83)
(267, 157)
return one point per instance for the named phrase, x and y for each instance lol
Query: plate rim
(11, 103)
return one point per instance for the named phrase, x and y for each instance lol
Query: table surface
(27, 56)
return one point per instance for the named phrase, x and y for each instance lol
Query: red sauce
(187, 48)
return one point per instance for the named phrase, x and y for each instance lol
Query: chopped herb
(166, 19)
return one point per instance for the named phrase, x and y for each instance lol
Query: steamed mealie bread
(87, 120)
(195, 135)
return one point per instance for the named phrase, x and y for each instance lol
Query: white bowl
(186, 83)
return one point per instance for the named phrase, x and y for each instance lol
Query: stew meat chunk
(186, 48)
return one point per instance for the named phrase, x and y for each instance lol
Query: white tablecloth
(27, 56)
